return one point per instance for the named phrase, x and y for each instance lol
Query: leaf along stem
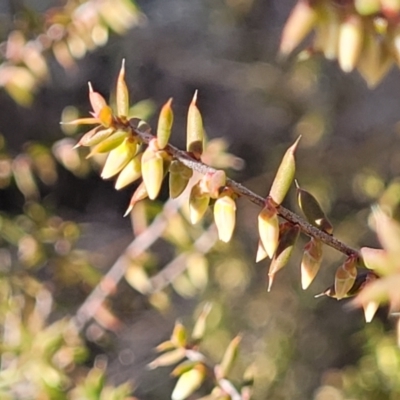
(187, 159)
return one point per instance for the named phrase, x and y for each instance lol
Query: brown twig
(196, 165)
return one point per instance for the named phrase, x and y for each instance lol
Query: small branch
(109, 281)
(308, 229)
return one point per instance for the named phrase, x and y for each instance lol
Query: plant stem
(196, 165)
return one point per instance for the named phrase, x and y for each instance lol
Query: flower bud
(311, 262)
(152, 171)
(198, 203)
(268, 228)
(225, 216)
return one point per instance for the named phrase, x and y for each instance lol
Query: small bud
(345, 277)
(198, 203)
(350, 42)
(287, 240)
(119, 157)
(179, 176)
(165, 121)
(195, 130)
(301, 20)
(189, 382)
(139, 194)
(285, 175)
(131, 172)
(268, 228)
(152, 171)
(311, 262)
(312, 210)
(122, 95)
(225, 216)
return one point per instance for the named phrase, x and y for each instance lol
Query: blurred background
(62, 227)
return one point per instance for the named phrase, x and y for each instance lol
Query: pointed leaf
(119, 157)
(122, 93)
(200, 325)
(285, 175)
(345, 277)
(311, 262)
(198, 203)
(179, 176)
(139, 194)
(152, 171)
(96, 100)
(95, 136)
(109, 143)
(313, 211)
(301, 20)
(195, 130)
(261, 253)
(287, 240)
(229, 357)
(168, 358)
(131, 172)
(165, 121)
(179, 335)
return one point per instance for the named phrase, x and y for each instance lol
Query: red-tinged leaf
(122, 93)
(96, 100)
(311, 262)
(285, 175)
(165, 121)
(139, 194)
(345, 277)
(287, 240)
